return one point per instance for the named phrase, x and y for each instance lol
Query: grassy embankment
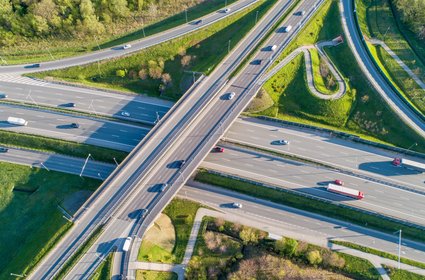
(297, 201)
(155, 275)
(360, 111)
(45, 144)
(321, 78)
(225, 250)
(400, 274)
(104, 271)
(182, 213)
(168, 14)
(29, 215)
(378, 21)
(379, 253)
(201, 52)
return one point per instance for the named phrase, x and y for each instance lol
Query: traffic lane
(59, 125)
(72, 165)
(303, 223)
(313, 180)
(118, 51)
(91, 101)
(323, 148)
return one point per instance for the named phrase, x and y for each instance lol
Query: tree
(90, 23)
(185, 61)
(332, 259)
(279, 245)
(314, 257)
(46, 9)
(143, 74)
(249, 235)
(155, 71)
(166, 79)
(290, 247)
(119, 8)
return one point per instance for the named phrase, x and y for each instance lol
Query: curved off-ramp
(309, 69)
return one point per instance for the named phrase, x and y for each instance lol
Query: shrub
(314, 257)
(249, 235)
(290, 246)
(332, 259)
(185, 61)
(120, 73)
(143, 74)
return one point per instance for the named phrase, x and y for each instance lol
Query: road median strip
(311, 203)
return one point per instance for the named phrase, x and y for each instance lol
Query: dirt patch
(261, 102)
(162, 233)
(74, 201)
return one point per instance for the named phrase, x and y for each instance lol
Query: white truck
(17, 121)
(345, 191)
(127, 244)
(409, 163)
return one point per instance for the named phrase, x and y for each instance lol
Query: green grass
(297, 201)
(45, 144)
(359, 268)
(155, 275)
(379, 253)
(153, 253)
(73, 260)
(182, 212)
(319, 80)
(207, 47)
(104, 271)
(399, 274)
(29, 215)
(361, 111)
(119, 32)
(378, 21)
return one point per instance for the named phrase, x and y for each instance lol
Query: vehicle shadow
(386, 168)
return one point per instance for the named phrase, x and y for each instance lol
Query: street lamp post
(41, 163)
(228, 47)
(414, 144)
(116, 161)
(84, 165)
(185, 12)
(399, 247)
(256, 17)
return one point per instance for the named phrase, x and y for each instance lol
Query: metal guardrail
(286, 190)
(345, 136)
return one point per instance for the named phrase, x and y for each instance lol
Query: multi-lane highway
(109, 134)
(136, 45)
(371, 72)
(152, 161)
(141, 108)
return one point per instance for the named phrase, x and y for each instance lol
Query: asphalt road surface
(103, 133)
(140, 108)
(305, 178)
(118, 51)
(378, 82)
(287, 221)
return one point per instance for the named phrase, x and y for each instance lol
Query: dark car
(180, 163)
(72, 104)
(75, 125)
(3, 150)
(256, 62)
(196, 22)
(218, 150)
(35, 65)
(163, 187)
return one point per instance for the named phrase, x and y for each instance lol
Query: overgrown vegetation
(29, 215)
(324, 81)
(360, 111)
(379, 253)
(297, 201)
(45, 144)
(51, 29)
(165, 70)
(413, 15)
(227, 250)
(155, 275)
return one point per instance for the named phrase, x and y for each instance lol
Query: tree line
(413, 15)
(43, 18)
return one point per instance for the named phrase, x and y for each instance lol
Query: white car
(236, 205)
(125, 47)
(226, 10)
(125, 114)
(288, 28)
(283, 142)
(230, 95)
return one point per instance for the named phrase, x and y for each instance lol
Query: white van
(273, 48)
(127, 244)
(288, 28)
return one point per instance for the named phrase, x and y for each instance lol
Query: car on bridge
(75, 125)
(125, 114)
(218, 149)
(181, 163)
(339, 182)
(230, 95)
(236, 205)
(163, 187)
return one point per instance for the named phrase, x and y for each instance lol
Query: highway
(372, 74)
(306, 178)
(118, 51)
(153, 160)
(287, 221)
(141, 108)
(105, 133)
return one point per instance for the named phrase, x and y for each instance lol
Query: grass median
(31, 220)
(400, 274)
(379, 253)
(104, 271)
(295, 200)
(45, 144)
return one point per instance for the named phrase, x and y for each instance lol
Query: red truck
(409, 163)
(345, 191)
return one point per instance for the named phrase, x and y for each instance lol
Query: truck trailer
(17, 121)
(127, 244)
(409, 163)
(345, 191)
